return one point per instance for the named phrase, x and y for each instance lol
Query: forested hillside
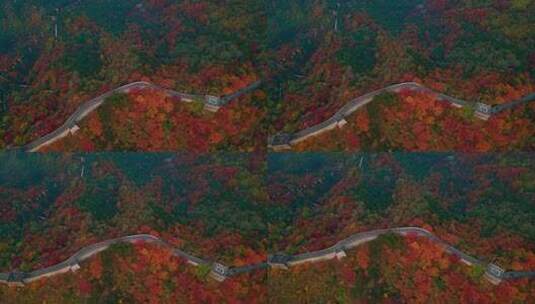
(282, 151)
(314, 55)
(238, 208)
(203, 47)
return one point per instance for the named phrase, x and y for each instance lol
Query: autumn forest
(248, 151)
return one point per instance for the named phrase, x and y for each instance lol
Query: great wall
(220, 272)
(70, 126)
(280, 141)
(483, 111)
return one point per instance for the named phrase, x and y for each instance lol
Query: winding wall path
(483, 111)
(220, 272)
(279, 141)
(212, 103)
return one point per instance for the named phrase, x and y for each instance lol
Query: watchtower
(74, 266)
(280, 142)
(16, 278)
(212, 103)
(219, 272)
(483, 110)
(278, 261)
(494, 273)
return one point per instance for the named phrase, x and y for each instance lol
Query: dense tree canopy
(202, 181)
(316, 55)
